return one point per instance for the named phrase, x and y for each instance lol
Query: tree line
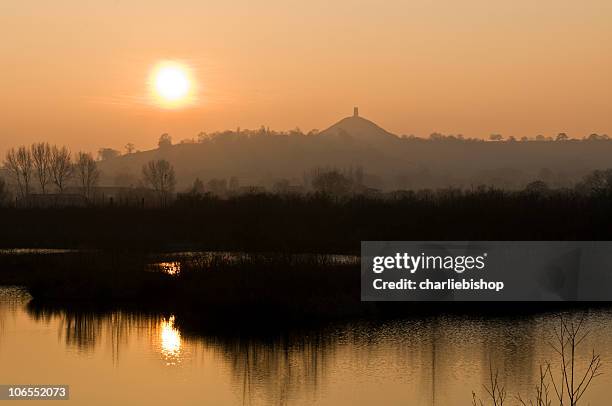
(43, 166)
(165, 140)
(45, 169)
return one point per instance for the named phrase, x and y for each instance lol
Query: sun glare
(170, 340)
(171, 84)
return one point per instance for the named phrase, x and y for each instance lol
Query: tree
(41, 157)
(159, 175)
(19, 163)
(24, 159)
(597, 137)
(104, 154)
(202, 137)
(61, 167)
(281, 186)
(165, 141)
(87, 172)
(4, 192)
(10, 164)
(331, 183)
(198, 187)
(566, 383)
(234, 184)
(217, 187)
(129, 148)
(537, 187)
(562, 137)
(572, 384)
(595, 182)
(496, 137)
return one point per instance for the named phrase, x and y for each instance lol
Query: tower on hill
(359, 128)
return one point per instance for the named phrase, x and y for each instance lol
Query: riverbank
(224, 290)
(250, 287)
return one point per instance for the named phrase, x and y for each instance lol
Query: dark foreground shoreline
(261, 292)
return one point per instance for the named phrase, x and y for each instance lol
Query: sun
(171, 84)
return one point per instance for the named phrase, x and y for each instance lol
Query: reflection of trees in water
(275, 369)
(12, 299)
(295, 364)
(433, 356)
(84, 329)
(80, 330)
(452, 345)
(279, 369)
(427, 352)
(447, 349)
(509, 347)
(2, 316)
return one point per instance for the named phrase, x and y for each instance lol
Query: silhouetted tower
(355, 111)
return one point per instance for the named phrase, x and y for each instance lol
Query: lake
(120, 357)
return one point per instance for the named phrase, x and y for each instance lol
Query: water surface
(121, 357)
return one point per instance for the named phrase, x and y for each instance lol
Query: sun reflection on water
(170, 339)
(170, 268)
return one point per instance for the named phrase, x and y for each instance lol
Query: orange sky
(76, 71)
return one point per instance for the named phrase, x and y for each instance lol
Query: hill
(360, 129)
(262, 157)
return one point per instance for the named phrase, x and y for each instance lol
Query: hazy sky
(76, 71)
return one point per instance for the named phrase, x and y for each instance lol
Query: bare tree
(11, 165)
(159, 175)
(572, 382)
(61, 167)
(24, 159)
(129, 148)
(572, 385)
(541, 390)
(19, 163)
(41, 157)
(87, 172)
(495, 391)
